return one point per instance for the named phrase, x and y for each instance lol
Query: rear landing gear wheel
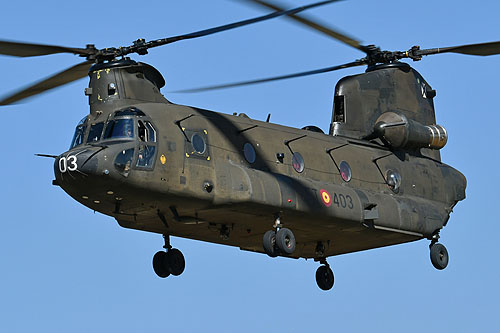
(285, 240)
(439, 256)
(160, 264)
(324, 277)
(269, 244)
(281, 242)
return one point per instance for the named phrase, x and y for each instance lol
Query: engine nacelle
(401, 132)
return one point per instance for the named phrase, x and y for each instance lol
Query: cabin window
(79, 133)
(345, 171)
(249, 152)
(198, 143)
(95, 132)
(298, 162)
(393, 180)
(119, 128)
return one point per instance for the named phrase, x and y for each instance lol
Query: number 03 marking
(68, 163)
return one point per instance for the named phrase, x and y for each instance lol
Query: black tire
(269, 244)
(439, 256)
(160, 265)
(175, 261)
(324, 278)
(285, 241)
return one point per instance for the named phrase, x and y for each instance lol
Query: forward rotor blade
(19, 49)
(69, 75)
(225, 27)
(481, 49)
(316, 26)
(275, 78)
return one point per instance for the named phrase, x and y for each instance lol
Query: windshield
(79, 133)
(119, 128)
(95, 132)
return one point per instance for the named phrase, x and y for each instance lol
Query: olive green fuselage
(225, 178)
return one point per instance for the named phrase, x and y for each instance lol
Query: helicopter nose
(77, 164)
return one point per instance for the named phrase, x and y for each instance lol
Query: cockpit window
(146, 131)
(95, 132)
(79, 133)
(119, 128)
(129, 112)
(151, 131)
(146, 156)
(141, 129)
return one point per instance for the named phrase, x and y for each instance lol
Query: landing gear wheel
(439, 256)
(176, 262)
(324, 277)
(269, 244)
(160, 264)
(285, 241)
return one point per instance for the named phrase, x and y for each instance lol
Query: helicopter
(375, 180)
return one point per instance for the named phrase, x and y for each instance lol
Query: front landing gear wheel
(439, 256)
(324, 277)
(269, 244)
(170, 262)
(160, 264)
(176, 262)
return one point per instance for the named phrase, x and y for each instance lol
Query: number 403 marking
(67, 163)
(343, 201)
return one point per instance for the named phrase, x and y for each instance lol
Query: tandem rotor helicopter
(376, 179)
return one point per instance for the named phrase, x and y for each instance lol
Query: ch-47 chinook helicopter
(375, 180)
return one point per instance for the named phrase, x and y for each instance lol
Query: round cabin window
(249, 152)
(298, 162)
(198, 143)
(345, 171)
(393, 179)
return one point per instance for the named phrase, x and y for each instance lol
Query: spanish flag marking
(325, 196)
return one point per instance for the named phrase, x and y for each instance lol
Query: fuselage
(188, 172)
(223, 178)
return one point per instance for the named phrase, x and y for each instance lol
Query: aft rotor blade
(225, 27)
(316, 26)
(275, 78)
(20, 49)
(69, 75)
(481, 49)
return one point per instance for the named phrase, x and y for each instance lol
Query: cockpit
(129, 127)
(121, 125)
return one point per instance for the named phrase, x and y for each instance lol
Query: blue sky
(65, 268)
